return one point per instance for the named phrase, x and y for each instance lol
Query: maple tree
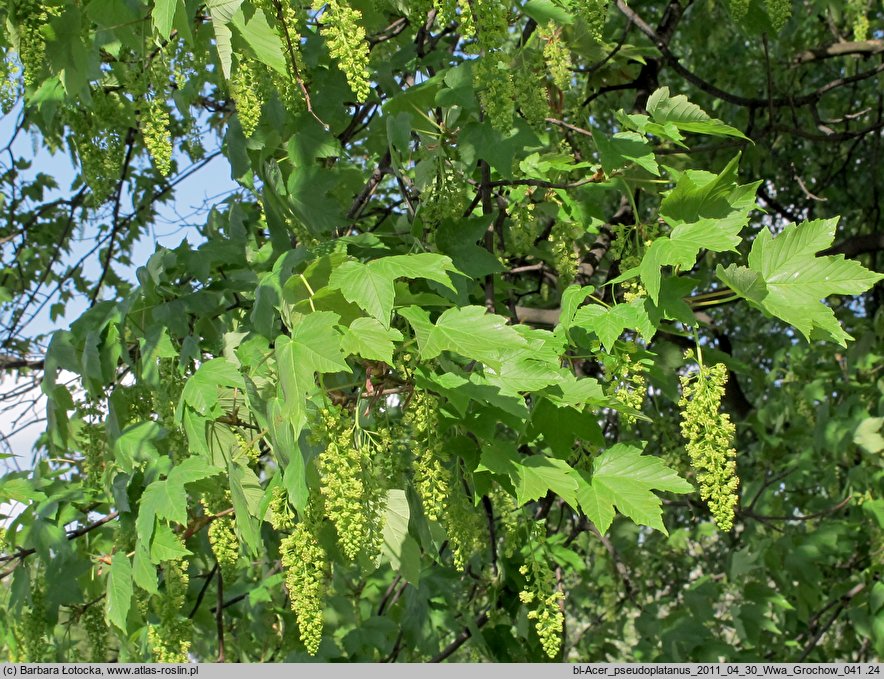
(532, 330)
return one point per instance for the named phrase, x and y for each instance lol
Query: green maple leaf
(623, 477)
(201, 390)
(609, 323)
(368, 338)
(119, 590)
(707, 212)
(686, 116)
(472, 332)
(246, 493)
(786, 278)
(166, 546)
(371, 285)
(314, 347)
(167, 499)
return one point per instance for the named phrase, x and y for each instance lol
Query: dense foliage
(493, 354)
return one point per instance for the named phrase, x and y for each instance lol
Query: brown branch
(492, 534)
(488, 240)
(798, 517)
(855, 245)
(361, 200)
(619, 566)
(71, 535)
(389, 593)
(388, 33)
(568, 126)
(836, 137)
(594, 179)
(202, 521)
(841, 49)
(588, 265)
(460, 640)
(219, 617)
(11, 363)
(841, 605)
(203, 590)
(117, 224)
(661, 44)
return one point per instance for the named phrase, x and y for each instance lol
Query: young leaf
(609, 323)
(163, 14)
(472, 332)
(795, 279)
(539, 474)
(119, 591)
(623, 477)
(246, 493)
(144, 573)
(166, 545)
(201, 390)
(625, 148)
(686, 116)
(366, 337)
(167, 499)
(707, 212)
(371, 285)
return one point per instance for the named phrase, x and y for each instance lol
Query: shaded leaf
(119, 591)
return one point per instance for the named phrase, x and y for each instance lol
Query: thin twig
(460, 640)
(203, 589)
(115, 221)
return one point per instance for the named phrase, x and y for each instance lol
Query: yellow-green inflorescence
(506, 512)
(494, 82)
(779, 12)
(556, 55)
(594, 13)
(432, 479)
(631, 387)
(464, 526)
(157, 139)
(32, 18)
(566, 260)
(33, 629)
(352, 494)
(170, 639)
(710, 433)
(96, 633)
(444, 197)
(222, 535)
(856, 12)
(347, 44)
(247, 95)
(443, 496)
(305, 564)
(544, 599)
(532, 97)
(281, 515)
(225, 547)
(738, 8)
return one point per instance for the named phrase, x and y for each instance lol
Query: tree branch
(71, 535)
(460, 640)
(850, 247)
(841, 605)
(117, 224)
(662, 44)
(841, 49)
